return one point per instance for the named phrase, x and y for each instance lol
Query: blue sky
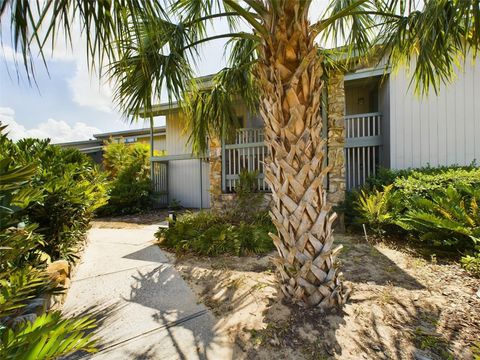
(70, 103)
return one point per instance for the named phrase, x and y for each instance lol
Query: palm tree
(155, 45)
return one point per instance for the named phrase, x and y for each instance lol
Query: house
(372, 118)
(94, 147)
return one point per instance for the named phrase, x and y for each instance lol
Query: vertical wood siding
(177, 140)
(159, 142)
(184, 183)
(442, 129)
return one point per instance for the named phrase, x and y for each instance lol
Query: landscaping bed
(401, 307)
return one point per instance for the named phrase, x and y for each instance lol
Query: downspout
(152, 151)
(201, 183)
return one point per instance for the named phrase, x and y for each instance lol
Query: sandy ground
(401, 307)
(132, 221)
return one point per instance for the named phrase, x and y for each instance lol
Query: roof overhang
(159, 130)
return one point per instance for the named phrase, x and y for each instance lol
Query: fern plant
(377, 209)
(450, 217)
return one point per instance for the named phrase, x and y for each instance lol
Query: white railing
(248, 153)
(248, 136)
(363, 144)
(363, 125)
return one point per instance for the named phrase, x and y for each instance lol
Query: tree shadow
(391, 313)
(362, 262)
(150, 253)
(185, 326)
(99, 312)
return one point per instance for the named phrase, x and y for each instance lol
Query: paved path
(145, 308)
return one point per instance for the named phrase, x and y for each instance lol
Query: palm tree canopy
(150, 44)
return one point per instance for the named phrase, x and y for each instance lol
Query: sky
(69, 103)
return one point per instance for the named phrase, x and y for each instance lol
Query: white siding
(441, 129)
(160, 143)
(184, 183)
(177, 139)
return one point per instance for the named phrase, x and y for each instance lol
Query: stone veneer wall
(336, 138)
(335, 141)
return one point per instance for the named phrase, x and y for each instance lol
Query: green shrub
(46, 336)
(128, 169)
(68, 187)
(386, 176)
(209, 233)
(436, 205)
(18, 241)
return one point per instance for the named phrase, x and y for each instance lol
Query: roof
(92, 142)
(133, 132)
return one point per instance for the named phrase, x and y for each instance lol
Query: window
(130, 140)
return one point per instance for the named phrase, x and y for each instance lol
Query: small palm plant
(451, 216)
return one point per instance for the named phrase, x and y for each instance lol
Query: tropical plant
(48, 337)
(23, 334)
(211, 234)
(451, 217)
(377, 209)
(128, 168)
(68, 187)
(153, 50)
(472, 263)
(249, 201)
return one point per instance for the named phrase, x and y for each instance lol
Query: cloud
(90, 91)
(10, 55)
(57, 130)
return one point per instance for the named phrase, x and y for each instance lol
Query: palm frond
(349, 24)
(48, 337)
(211, 111)
(38, 25)
(154, 57)
(432, 40)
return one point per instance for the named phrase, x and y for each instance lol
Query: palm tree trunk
(290, 73)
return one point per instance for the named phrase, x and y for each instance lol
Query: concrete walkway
(145, 309)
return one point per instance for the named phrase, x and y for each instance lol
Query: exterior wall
(336, 138)
(177, 139)
(159, 142)
(187, 184)
(188, 179)
(441, 129)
